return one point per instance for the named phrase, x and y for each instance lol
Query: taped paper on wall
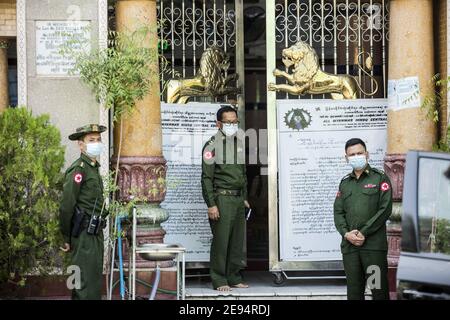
(404, 93)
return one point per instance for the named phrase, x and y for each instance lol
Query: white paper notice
(404, 93)
(311, 164)
(186, 128)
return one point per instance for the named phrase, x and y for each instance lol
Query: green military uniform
(224, 184)
(83, 186)
(364, 204)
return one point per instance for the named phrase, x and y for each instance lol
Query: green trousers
(87, 254)
(366, 266)
(227, 253)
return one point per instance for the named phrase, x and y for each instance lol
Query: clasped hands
(355, 237)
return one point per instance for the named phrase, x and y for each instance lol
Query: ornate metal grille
(188, 28)
(338, 30)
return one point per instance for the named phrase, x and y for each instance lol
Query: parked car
(424, 266)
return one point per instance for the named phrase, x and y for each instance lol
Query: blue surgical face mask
(358, 162)
(230, 129)
(94, 149)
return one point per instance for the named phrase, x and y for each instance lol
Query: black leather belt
(228, 192)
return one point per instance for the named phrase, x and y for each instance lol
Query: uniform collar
(367, 171)
(222, 137)
(89, 161)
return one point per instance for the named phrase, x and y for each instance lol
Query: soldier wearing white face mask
(81, 217)
(224, 187)
(362, 206)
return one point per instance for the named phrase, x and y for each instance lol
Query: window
(434, 206)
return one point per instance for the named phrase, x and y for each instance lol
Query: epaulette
(209, 142)
(381, 172)
(77, 163)
(345, 177)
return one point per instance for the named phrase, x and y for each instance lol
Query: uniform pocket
(370, 198)
(370, 192)
(346, 194)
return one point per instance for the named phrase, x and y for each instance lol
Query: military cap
(90, 128)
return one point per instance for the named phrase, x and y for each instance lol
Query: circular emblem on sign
(78, 178)
(385, 186)
(297, 119)
(208, 155)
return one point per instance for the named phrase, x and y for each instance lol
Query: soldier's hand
(360, 237)
(213, 213)
(246, 204)
(66, 247)
(353, 238)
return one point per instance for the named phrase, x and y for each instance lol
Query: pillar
(142, 166)
(4, 85)
(411, 53)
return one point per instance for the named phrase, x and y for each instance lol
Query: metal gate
(338, 30)
(189, 27)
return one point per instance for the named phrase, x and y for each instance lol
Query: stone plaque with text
(51, 36)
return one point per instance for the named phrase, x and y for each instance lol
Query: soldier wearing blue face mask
(362, 206)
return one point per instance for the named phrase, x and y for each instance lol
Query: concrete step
(262, 288)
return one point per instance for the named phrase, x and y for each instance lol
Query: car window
(434, 206)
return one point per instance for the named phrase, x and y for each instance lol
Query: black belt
(228, 192)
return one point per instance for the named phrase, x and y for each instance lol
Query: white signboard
(311, 140)
(186, 128)
(51, 36)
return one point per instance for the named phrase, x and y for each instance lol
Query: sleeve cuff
(211, 204)
(66, 239)
(344, 231)
(364, 231)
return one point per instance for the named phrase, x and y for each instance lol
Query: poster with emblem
(311, 164)
(186, 128)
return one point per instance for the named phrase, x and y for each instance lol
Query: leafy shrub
(31, 160)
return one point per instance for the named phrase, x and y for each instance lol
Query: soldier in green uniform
(80, 209)
(224, 187)
(363, 205)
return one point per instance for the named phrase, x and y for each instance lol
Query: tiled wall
(7, 18)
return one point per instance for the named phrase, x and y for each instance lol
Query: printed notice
(186, 128)
(312, 136)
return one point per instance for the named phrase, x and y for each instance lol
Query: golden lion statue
(308, 78)
(210, 79)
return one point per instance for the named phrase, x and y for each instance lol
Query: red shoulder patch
(338, 195)
(208, 155)
(385, 186)
(78, 177)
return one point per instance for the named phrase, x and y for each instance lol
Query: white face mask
(94, 149)
(358, 162)
(230, 129)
